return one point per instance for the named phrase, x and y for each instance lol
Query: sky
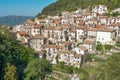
(22, 7)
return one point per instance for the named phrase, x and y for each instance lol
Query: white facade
(91, 35)
(80, 50)
(36, 43)
(70, 58)
(99, 9)
(105, 37)
(80, 34)
(17, 27)
(117, 28)
(35, 31)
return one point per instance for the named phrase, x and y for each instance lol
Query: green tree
(113, 67)
(99, 47)
(108, 47)
(57, 59)
(118, 43)
(10, 72)
(87, 57)
(15, 53)
(37, 69)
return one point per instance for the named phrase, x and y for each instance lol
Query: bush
(108, 47)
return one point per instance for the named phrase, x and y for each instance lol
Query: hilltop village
(71, 35)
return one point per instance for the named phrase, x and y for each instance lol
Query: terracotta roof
(53, 28)
(82, 27)
(59, 47)
(78, 55)
(103, 16)
(68, 43)
(50, 46)
(22, 33)
(102, 28)
(88, 42)
(39, 52)
(83, 48)
(57, 22)
(65, 42)
(81, 22)
(38, 26)
(87, 14)
(37, 37)
(115, 24)
(73, 30)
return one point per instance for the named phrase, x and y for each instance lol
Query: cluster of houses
(70, 35)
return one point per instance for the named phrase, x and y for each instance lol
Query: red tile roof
(88, 42)
(22, 33)
(102, 28)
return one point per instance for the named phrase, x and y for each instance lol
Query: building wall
(90, 47)
(103, 37)
(36, 44)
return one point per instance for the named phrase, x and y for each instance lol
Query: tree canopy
(11, 51)
(37, 69)
(71, 5)
(113, 67)
(10, 72)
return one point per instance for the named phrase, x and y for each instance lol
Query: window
(53, 49)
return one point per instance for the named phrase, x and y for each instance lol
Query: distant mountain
(71, 5)
(13, 20)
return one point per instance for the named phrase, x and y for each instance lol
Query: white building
(70, 58)
(81, 33)
(80, 50)
(99, 9)
(36, 41)
(102, 34)
(116, 26)
(90, 45)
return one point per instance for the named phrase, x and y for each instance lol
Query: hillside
(71, 5)
(13, 20)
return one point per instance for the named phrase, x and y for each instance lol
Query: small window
(53, 49)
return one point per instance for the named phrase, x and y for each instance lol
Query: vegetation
(108, 47)
(17, 62)
(87, 57)
(104, 48)
(112, 67)
(99, 47)
(13, 55)
(37, 69)
(114, 14)
(61, 66)
(13, 20)
(71, 5)
(118, 43)
(10, 72)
